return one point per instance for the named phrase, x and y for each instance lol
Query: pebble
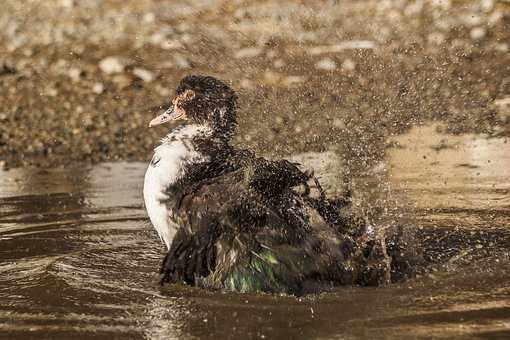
(348, 65)
(326, 64)
(146, 75)
(75, 74)
(149, 18)
(147, 22)
(121, 81)
(278, 63)
(98, 88)
(293, 80)
(160, 36)
(487, 5)
(246, 84)
(271, 77)
(502, 47)
(494, 18)
(68, 3)
(248, 52)
(111, 65)
(477, 33)
(472, 19)
(346, 45)
(170, 44)
(51, 92)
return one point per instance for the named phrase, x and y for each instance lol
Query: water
(78, 257)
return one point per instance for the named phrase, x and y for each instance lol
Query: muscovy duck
(236, 222)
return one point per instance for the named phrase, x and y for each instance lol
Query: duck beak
(168, 115)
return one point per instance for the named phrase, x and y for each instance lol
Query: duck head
(203, 100)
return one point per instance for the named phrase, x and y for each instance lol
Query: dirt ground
(80, 80)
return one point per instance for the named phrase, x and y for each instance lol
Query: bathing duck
(233, 221)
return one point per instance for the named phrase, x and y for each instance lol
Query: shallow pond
(78, 257)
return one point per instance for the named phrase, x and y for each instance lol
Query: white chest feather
(167, 166)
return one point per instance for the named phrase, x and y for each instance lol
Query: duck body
(166, 168)
(236, 222)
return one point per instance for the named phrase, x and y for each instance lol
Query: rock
(149, 18)
(478, 33)
(346, 45)
(502, 47)
(146, 75)
(161, 35)
(348, 65)
(68, 3)
(278, 63)
(246, 84)
(248, 52)
(326, 64)
(494, 18)
(170, 44)
(111, 65)
(272, 78)
(98, 88)
(51, 91)
(293, 80)
(75, 74)
(121, 81)
(472, 20)
(28, 52)
(487, 5)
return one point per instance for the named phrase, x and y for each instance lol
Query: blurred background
(79, 80)
(407, 102)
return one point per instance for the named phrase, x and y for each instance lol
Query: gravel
(81, 79)
(326, 64)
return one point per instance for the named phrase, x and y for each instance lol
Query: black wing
(234, 237)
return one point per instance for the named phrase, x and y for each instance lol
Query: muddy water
(78, 257)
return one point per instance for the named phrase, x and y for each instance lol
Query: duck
(235, 222)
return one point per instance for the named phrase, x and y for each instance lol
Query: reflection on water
(78, 257)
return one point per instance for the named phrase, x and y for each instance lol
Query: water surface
(78, 257)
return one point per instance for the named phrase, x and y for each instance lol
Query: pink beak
(166, 116)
